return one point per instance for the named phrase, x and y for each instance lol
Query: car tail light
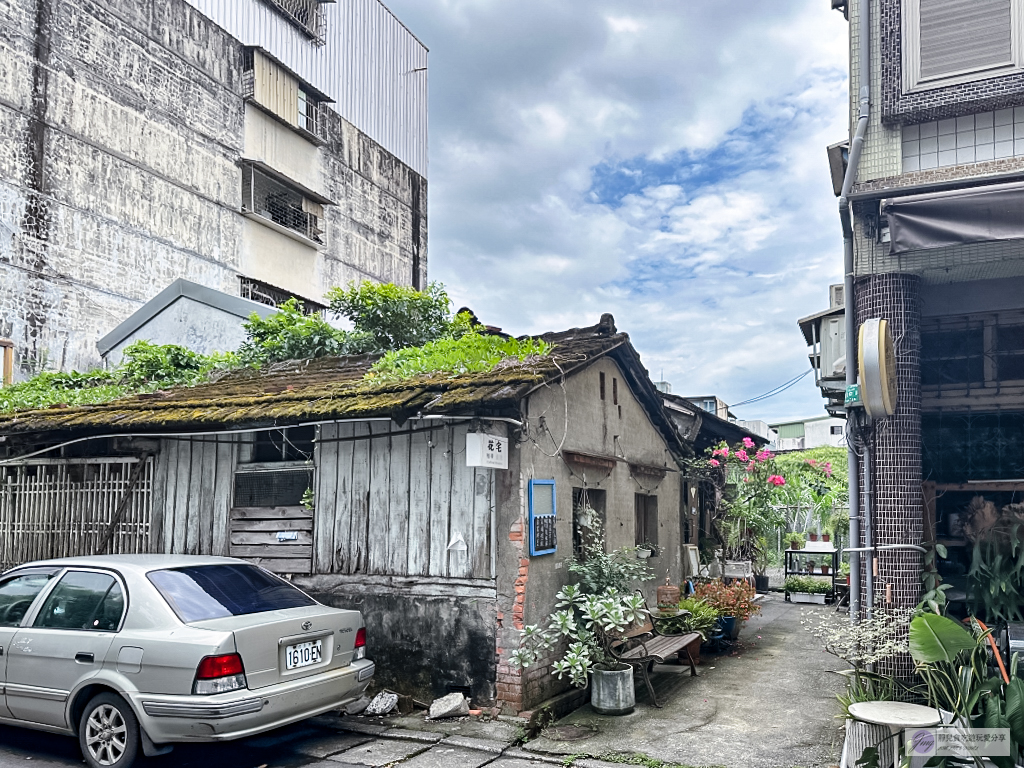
(219, 674)
(360, 652)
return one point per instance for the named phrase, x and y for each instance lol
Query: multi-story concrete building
(263, 148)
(932, 206)
(802, 434)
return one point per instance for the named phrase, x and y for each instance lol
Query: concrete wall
(119, 149)
(191, 323)
(527, 585)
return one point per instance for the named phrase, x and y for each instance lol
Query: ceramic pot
(611, 691)
(826, 537)
(794, 545)
(825, 570)
(812, 536)
(643, 554)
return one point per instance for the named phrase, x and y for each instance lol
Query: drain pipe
(853, 161)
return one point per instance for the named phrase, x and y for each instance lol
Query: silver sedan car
(133, 652)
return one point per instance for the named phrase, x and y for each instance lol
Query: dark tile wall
(899, 108)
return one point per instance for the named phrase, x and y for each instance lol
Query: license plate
(303, 654)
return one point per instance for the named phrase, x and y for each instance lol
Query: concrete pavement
(770, 703)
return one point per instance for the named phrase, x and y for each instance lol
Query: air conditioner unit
(833, 347)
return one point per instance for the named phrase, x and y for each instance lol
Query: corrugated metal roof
(370, 64)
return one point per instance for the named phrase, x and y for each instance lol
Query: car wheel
(108, 732)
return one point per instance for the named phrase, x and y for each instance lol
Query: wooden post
(7, 348)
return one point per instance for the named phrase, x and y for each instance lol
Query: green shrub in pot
(807, 584)
(703, 619)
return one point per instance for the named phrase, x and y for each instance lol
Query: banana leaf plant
(953, 663)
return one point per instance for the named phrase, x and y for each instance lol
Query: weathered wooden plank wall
(388, 499)
(389, 502)
(194, 486)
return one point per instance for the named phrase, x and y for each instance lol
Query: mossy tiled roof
(318, 390)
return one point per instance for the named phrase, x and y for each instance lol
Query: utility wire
(773, 392)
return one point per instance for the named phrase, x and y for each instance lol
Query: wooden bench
(645, 646)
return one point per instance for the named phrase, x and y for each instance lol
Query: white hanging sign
(486, 451)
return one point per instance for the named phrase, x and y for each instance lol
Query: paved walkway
(769, 704)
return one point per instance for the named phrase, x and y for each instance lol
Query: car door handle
(84, 658)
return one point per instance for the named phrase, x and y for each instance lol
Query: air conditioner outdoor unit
(833, 347)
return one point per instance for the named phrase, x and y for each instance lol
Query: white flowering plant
(591, 623)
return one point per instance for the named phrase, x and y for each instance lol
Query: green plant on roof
(415, 330)
(470, 352)
(144, 367)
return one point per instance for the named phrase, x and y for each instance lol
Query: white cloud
(711, 260)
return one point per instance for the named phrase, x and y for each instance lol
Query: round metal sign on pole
(877, 368)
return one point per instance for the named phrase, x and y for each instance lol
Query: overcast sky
(662, 160)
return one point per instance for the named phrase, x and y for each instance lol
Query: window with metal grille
(272, 488)
(263, 293)
(307, 15)
(271, 199)
(953, 356)
(1010, 352)
(646, 508)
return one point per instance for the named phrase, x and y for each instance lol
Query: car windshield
(215, 591)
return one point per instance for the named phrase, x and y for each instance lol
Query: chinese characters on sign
(486, 451)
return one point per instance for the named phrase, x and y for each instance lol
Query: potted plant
(825, 537)
(591, 624)
(825, 568)
(645, 550)
(804, 589)
(813, 535)
(844, 570)
(734, 603)
(794, 540)
(702, 619)
(591, 615)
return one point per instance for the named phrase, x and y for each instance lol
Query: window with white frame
(946, 42)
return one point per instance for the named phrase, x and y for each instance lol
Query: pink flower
(723, 452)
(742, 455)
(777, 480)
(748, 443)
(714, 462)
(750, 467)
(762, 455)
(812, 462)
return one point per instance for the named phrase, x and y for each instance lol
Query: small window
(543, 537)
(310, 115)
(588, 518)
(615, 391)
(289, 444)
(837, 430)
(709, 405)
(216, 591)
(19, 591)
(646, 519)
(601, 379)
(264, 293)
(83, 600)
(1010, 352)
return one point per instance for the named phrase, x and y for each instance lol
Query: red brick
(515, 536)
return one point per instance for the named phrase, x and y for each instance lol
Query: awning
(942, 219)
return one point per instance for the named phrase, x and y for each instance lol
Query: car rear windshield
(215, 591)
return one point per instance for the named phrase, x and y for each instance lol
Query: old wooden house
(441, 507)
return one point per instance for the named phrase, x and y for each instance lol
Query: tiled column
(897, 507)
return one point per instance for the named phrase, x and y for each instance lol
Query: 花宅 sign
(486, 451)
